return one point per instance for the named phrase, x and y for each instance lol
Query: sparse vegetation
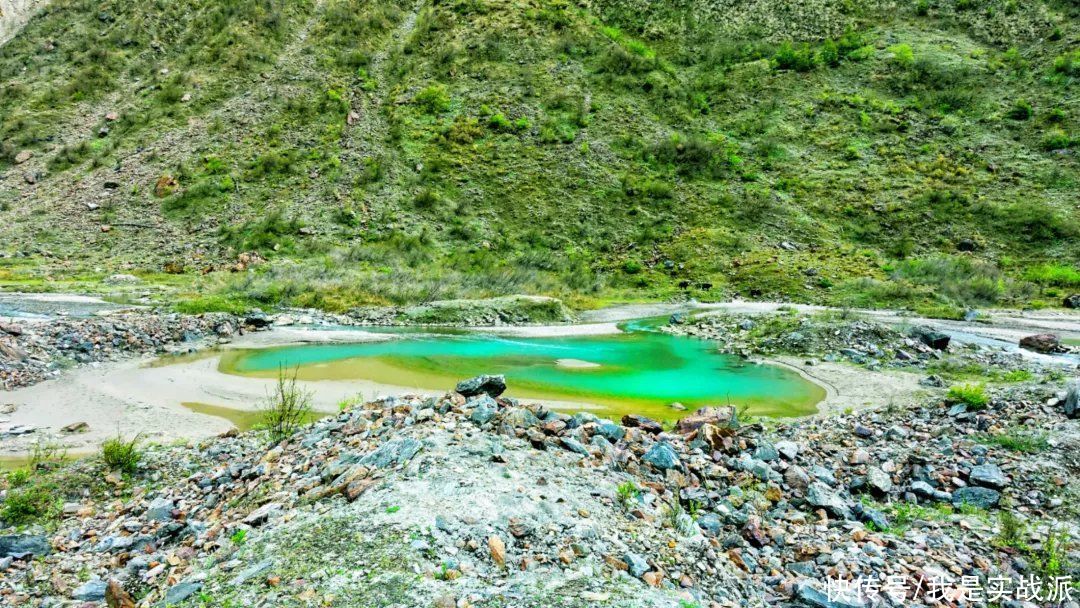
(287, 409)
(122, 454)
(972, 395)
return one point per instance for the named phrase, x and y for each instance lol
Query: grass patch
(122, 455)
(972, 395)
(1018, 439)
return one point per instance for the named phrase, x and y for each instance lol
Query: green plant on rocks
(122, 455)
(972, 395)
(287, 409)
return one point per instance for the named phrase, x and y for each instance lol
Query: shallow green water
(637, 372)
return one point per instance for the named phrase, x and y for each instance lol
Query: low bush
(287, 409)
(122, 455)
(972, 395)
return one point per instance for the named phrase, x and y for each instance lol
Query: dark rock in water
(493, 386)
(1072, 401)
(1072, 301)
(20, 546)
(984, 498)
(662, 456)
(988, 475)
(677, 318)
(808, 594)
(931, 337)
(1042, 343)
(641, 422)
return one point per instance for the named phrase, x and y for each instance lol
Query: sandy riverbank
(132, 397)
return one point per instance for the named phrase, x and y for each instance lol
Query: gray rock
(787, 449)
(492, 386)
(393, 452)
(823, 474)
(91, 591)
(261, 515)
(797, 478)
(988, 475)
(710, 523)
(983, 498)
(180, 592)
(574, 446)
(878, 481)
(520, 417)
(808, 594)
(484, 409)
(252, 572)
(20, 546)
(160, 509)
(611, 431)
(925, 490)
(1072, 401)
(820, 495)
(766, 451)
(662, 456)
(636, 565)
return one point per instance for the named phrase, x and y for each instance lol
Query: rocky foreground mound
(483, 501)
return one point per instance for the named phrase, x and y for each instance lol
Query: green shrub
(121, 455)
(1056, 139)
(972, 395)
(433, 99)
(30, 503)
(1068, 64)
(287, 409)
(1021, 110)
(628, 493)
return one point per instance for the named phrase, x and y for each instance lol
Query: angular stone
(641, 422)
(392, 453)
(662, 456)
(988, 475)
(20, 546)
(635, 564)
(180, 592)
(718, 416)
(983, 498)
(931, 337)
(497, 548)
(878, 481)
(484, 409)
(1041, 343)
(820, 495)
(485, 384)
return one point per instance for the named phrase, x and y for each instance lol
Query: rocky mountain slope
(393, 152)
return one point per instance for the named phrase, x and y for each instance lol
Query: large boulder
(1072, 301)
(1042, 343)
(1072, 401)
(988, 475)
(931, 337)
(717, 416)
(20, 546)
(492, 386)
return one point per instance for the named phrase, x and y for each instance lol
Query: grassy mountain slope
(917, 153)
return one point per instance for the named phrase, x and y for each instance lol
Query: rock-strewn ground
(32, 352)
(489, 502)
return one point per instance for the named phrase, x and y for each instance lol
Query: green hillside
(917, 154)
